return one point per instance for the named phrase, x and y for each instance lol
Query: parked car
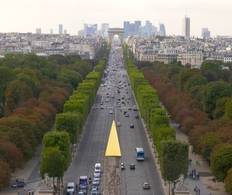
(18, 184)
(131, 125)
(97, 168)
(70, 188)
(96, 182)
(97, 174)
(81, 193)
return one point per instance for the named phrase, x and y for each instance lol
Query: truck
(140, 154)
(83, 184)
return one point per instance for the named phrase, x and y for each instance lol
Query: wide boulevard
(115, 102)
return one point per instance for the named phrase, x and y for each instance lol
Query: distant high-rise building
(60, 29)
(51, 31)
(162, 30)
(38, 30)
(104, 29)
(126, 26)
(137, 25)
(186, 27)
(205, 33)
(90, 29)
(149, 28)
(65, 32)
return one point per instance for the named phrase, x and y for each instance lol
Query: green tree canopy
(221, 160)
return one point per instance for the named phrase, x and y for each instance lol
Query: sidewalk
(205, 183)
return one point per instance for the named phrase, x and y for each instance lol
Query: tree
(11, 154)
(228, 182)
(214, 91)
(69, 76)
(61, 140)
(211, 70)
(208, 142)
(195, 80)
(173, 160)
(70, 122)
(4, 174)
(221, 160)
(16, 93)
(53, 163)
(228, 108)
(6, 75)
(219, 110)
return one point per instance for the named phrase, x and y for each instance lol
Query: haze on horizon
(27, 15)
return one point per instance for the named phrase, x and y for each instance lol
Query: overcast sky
(26, 15)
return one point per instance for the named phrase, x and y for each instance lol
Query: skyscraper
(38, 30)
(126, 26)
(162, 30)
(186, 27)
(90, 29)
(205, 33)
(60, 29)
(137, 27)
(104, 29)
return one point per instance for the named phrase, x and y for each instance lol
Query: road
(115, 96)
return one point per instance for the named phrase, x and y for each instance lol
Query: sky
(27, 15)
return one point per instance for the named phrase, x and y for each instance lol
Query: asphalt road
(92, 146)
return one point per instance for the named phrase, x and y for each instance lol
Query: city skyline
(27, 15)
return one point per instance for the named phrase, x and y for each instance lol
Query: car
(122, 166)
(131, 125)
(146, 186)
(97, 168)
(94, 191)
(18, 184)
(137, 116)
(81, 193)
(97, 174)
(96, 183)
(132, 166)
(118, 124)
(70, 189)
(102, 107)
(126, 115)
(111, 112)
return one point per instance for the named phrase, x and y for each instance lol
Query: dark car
(18, 184)
(132, 166)
(131, 125)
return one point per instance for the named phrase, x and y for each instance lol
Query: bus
(139, 154)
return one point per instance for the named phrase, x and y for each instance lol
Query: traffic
(115, 101)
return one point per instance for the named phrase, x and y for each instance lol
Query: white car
(97, 174)
(71, 187)
(97, 168)
(118, 124)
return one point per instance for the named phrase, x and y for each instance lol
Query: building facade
(186, 27)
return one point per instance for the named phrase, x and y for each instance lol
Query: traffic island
(111, 176)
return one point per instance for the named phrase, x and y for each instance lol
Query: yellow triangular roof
(113, 146)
